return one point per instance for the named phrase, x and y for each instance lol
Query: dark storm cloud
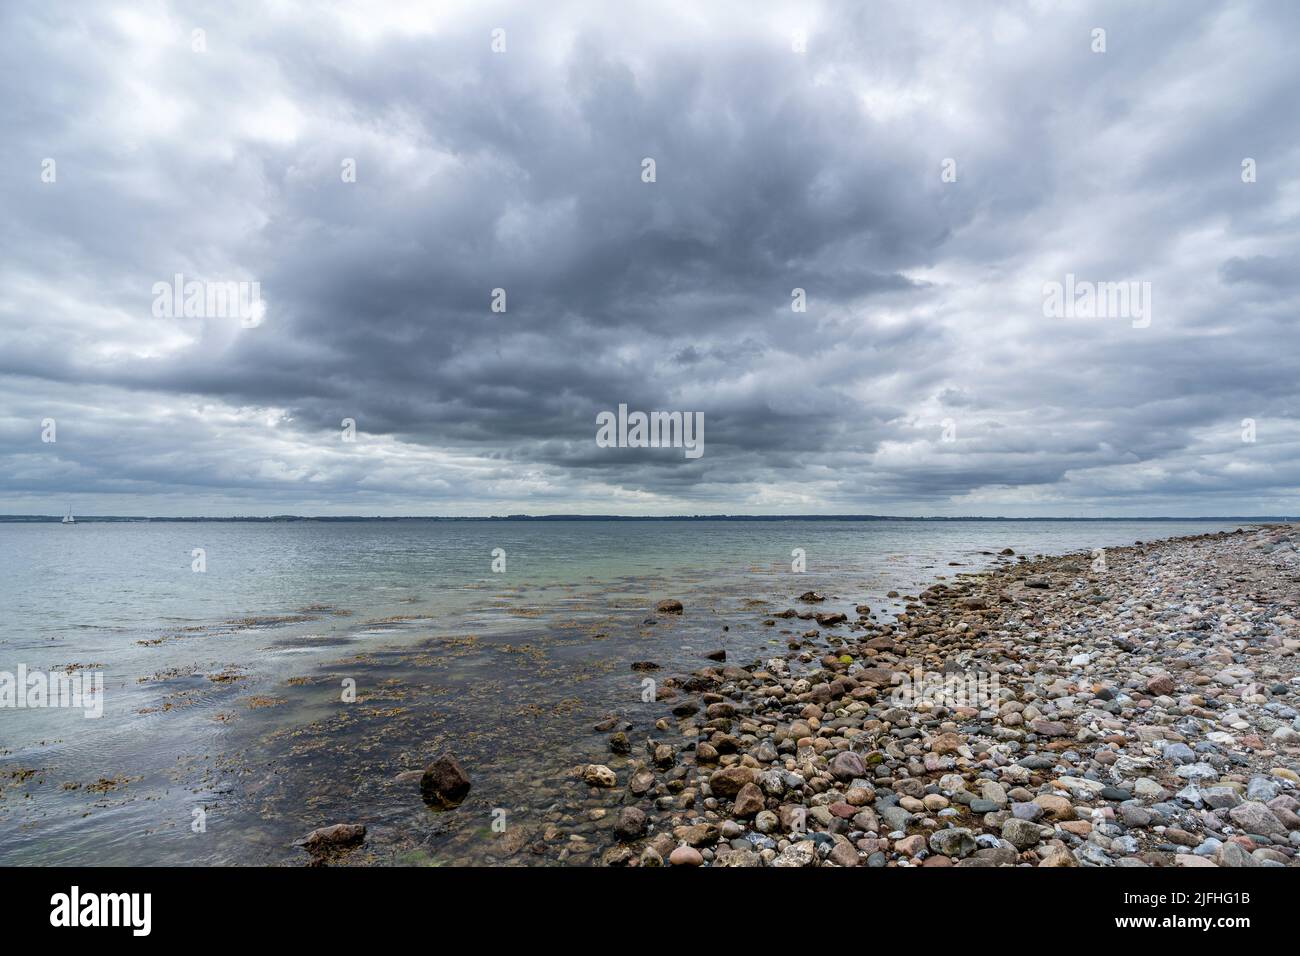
(923, 377)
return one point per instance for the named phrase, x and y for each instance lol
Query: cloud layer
(923, 378)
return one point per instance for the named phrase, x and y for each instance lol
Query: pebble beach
(1135, 707)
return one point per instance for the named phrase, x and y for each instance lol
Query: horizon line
(721, 516)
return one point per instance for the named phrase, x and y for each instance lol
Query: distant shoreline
(56, 519)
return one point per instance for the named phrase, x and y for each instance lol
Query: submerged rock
(444, 781)
(631, 823)
(335, 836)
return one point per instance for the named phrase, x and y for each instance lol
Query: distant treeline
(36, 519)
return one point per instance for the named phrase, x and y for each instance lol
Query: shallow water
(223, 689)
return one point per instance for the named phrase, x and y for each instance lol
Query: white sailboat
(68, 519)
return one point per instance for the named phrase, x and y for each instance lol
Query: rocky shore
(1136, 707)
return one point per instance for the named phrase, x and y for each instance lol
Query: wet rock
(739, 858)
(801, 854)
(333, 837)
(686, 856)
(631, 823)
(444, 782)
(508, 843)
(669, 606)
(641, 783)
(617, 856)
(598, 775)
(697, 834)
(706, 753)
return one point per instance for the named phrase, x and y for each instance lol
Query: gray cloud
(775, 170)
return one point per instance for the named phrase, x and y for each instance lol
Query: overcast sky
(923, 378)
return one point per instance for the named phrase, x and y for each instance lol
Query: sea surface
(227, 729)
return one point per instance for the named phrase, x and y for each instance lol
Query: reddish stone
(1161, 686)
